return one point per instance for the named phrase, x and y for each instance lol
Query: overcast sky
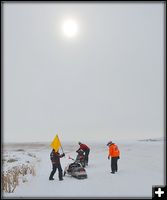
(106, 83)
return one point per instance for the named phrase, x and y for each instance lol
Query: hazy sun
(70, 28)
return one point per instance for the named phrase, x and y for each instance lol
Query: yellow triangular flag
(56, 144)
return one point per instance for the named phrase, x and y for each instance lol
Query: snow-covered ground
(141, 166)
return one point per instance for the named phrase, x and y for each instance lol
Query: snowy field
(141, 166)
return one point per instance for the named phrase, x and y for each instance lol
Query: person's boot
(51, 178)
(61, 179)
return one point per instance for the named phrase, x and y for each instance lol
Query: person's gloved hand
(63, 154)
(118, 157)
(108, 157)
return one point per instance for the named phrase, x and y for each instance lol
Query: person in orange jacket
(114, 153)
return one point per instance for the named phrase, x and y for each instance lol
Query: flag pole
(62, 149)
(61, 146)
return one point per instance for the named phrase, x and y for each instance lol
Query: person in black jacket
(55, 159)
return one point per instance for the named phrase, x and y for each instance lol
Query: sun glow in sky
(70, 28)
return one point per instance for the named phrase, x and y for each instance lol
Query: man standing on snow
(114, 153)
(55, 159)
(86, 149)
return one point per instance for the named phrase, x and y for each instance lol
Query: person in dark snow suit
(86, 149)
(55, 159)
(81, 157)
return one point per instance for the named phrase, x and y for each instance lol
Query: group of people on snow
(113, 153)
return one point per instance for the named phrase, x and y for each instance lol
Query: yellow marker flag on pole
(56, 144)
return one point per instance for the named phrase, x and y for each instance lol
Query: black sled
(75, 170)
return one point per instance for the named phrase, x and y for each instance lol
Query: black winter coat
(55, 157)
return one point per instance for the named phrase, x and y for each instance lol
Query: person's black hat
(110, 142)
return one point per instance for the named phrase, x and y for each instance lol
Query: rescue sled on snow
(75, 170)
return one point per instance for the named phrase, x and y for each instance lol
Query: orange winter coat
(113, 150)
